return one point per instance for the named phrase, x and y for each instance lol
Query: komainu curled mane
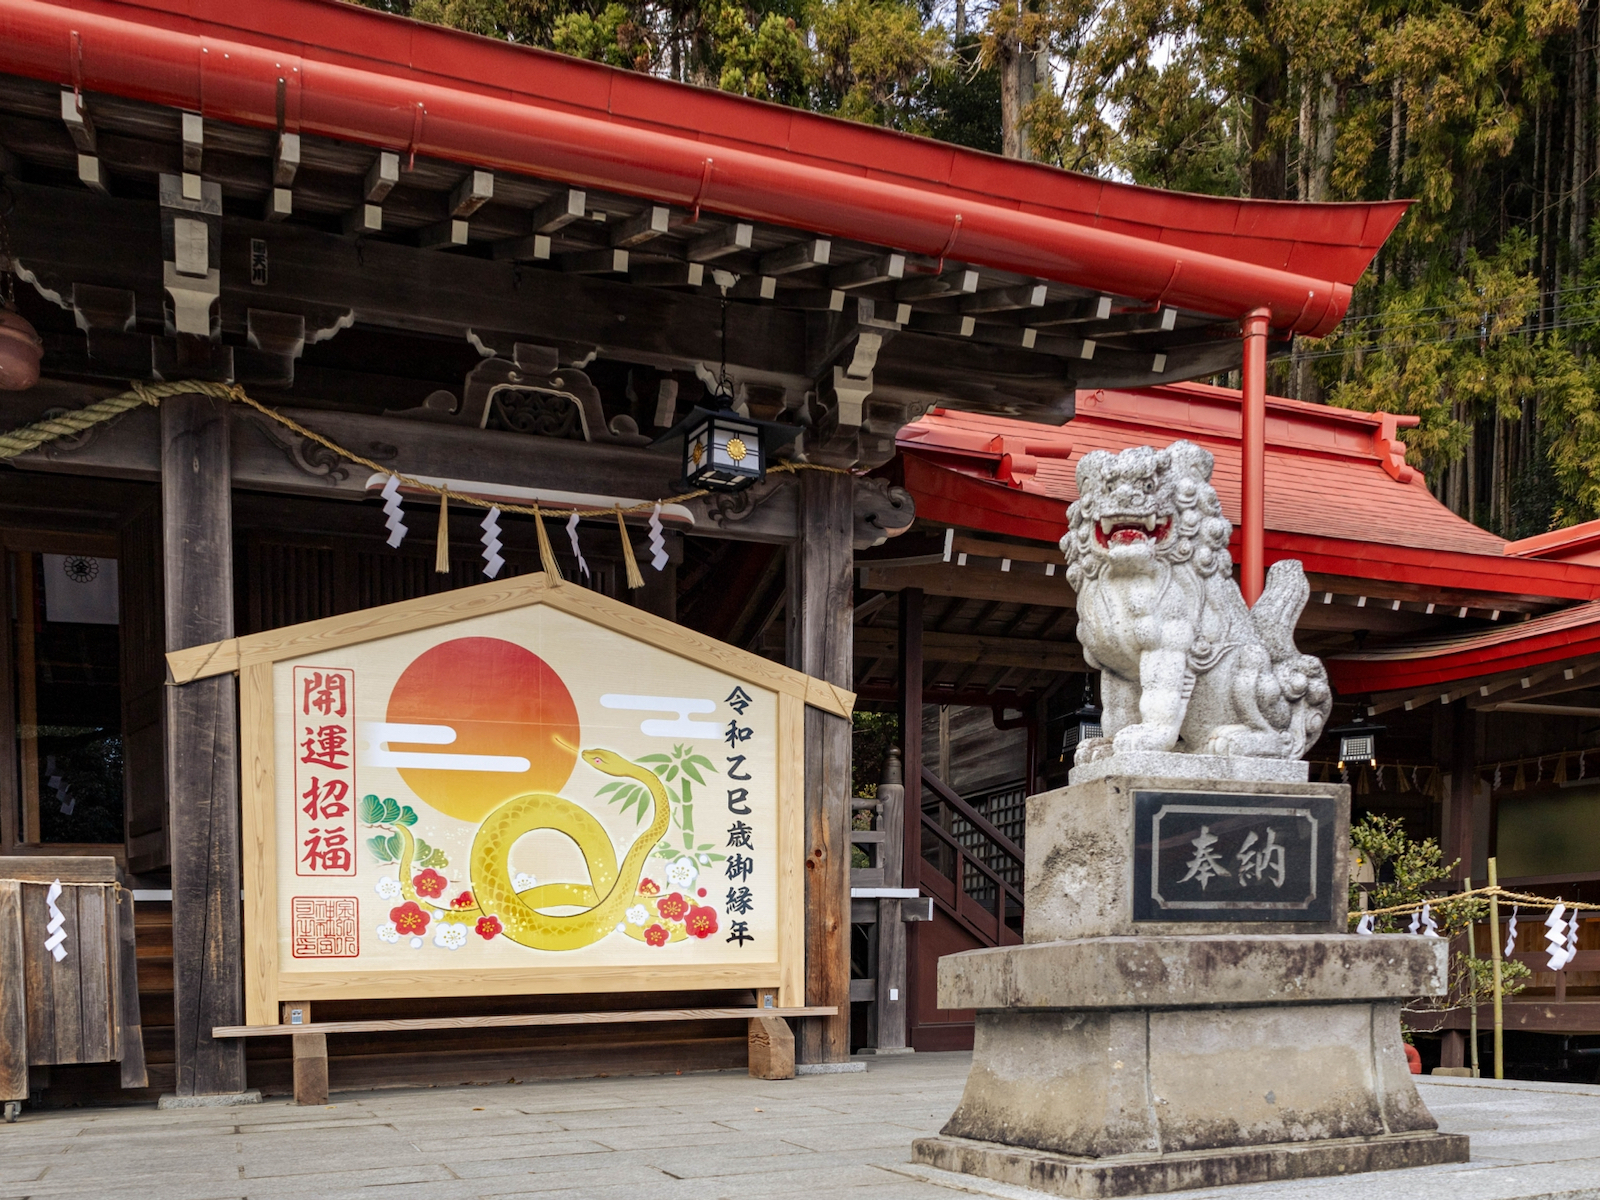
(1184, 664)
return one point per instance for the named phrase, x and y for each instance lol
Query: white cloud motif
(389, 933)
(388, 887)
(682, 873)
(638, 914)
(449, 936)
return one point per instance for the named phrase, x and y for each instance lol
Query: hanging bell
(20, 352)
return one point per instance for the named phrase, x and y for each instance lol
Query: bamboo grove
(1482, 315)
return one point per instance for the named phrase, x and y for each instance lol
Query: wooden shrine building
(505, 272)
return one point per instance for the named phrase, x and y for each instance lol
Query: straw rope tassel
(631, 564)
(441, 557)
(547, 552)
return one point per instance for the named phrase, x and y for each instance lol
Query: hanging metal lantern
(725, 452)
(1358, 742)
(722, 451)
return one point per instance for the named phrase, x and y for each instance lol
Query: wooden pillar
(202, 748)
(1463, 789)
(889, 1005)
(821, 623)
(1253, 456)
(910, 679)
(909, 675)
(310, 1056)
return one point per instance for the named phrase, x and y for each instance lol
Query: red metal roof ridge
(924, 436)
(1332, 244)
(1545, 545)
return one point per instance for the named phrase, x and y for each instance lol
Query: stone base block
(1143, 1174)
(210, 1100)
(1157, 765)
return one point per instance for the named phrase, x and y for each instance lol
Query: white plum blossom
(705, 860)
(682, 873)
(638, 914)
(449, 936)
(620, 926)
(522, 881)
(416, 943)
(389, 933)
(388, 887)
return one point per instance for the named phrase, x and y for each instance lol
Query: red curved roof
(1338, 496)
(1333, 242)
(1553, 637)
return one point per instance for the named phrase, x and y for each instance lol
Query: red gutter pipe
(232, 81)
(1253, 456)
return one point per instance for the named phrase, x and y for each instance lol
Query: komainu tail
(1279, 608)
(1303, 678)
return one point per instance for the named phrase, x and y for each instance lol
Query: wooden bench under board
(771, 1039)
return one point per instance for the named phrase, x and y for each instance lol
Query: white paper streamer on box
(1555, 937)
(572, 532)
(58, 935)
(1511, 932)
(492, 562)
(393, 511)
(658, 544)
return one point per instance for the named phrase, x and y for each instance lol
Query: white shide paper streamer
(1511, 932)
(1365, 924)
(58, 935)
(1555, 937)
(492, 562)
(572, 533)
(658, 544)
(392, 510)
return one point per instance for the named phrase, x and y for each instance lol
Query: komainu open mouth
(1126, 530)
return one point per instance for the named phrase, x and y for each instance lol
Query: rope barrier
(1483, 893)
(39, 433)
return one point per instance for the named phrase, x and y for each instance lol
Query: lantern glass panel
(723, 453)
(1353, 747)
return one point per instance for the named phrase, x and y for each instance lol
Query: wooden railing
(979, 885)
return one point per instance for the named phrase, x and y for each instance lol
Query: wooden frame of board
(254, 658)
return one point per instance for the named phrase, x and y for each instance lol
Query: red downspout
(1253, 456)
(347, 99)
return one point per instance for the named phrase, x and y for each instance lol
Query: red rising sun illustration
(501, 700)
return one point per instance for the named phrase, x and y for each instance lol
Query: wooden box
(85, 1008)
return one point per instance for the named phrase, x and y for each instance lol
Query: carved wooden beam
(270, 458)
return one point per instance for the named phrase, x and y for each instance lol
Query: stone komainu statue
(1184, 664)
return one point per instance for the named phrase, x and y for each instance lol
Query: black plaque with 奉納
(1205, 856)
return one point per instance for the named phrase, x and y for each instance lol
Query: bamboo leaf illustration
(654, 758)
(371, 810)
(614, 786)
(690, 769)
(672, 773)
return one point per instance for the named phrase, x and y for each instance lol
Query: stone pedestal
(1187, 1009)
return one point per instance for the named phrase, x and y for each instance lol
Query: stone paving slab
(716, 1136)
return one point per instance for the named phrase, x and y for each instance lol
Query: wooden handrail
(978, 820)
(963, 852)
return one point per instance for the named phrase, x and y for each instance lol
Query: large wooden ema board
(519, 787)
